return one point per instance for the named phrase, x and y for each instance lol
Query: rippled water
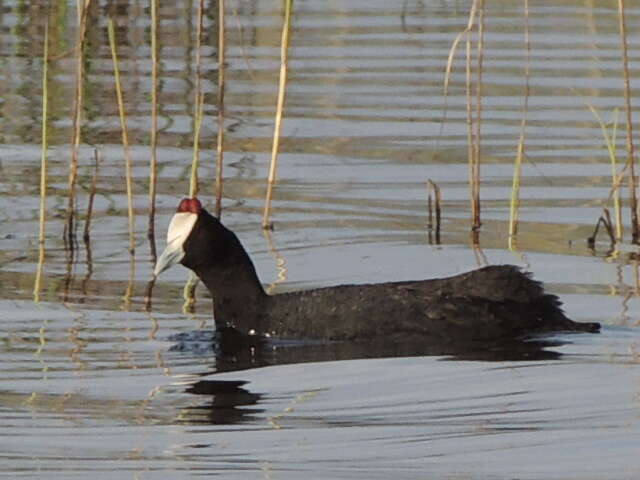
(95, 386)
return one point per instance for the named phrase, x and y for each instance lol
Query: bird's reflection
(232, 403)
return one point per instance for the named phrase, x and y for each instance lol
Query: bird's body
(489, 304)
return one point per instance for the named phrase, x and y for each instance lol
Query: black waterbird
(489, 304)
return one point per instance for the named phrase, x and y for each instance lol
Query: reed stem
(189, 290)
(125, 135)
(44, 136)
(475, 170)
(92, 193)
(284, 58)
(221, 86)
(199, 107)
(153, 163)
(449, 66)
(435, 204)
(470, 128)
(514, 207)
(616, 179)
(633, 199)
(43, 165)
(69, 227)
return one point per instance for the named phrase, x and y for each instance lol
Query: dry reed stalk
(43, 165)
(604, 220)
(452, 52)
(281, 262)
(633, 200)
(432, 205)
(470, 130)
(478, 253)
(475, 170)
(195, 161)
(514, 207)
(84, 285)
(284, 59)
(69, 227)
(636, 277)
(92, 193)
(189, 291)
(125, 135)
(221, 85)
(616, 179)
(198, 105)
(473, 132)
(241, 43)
(148, 294)
(129, 291)
(153, 163)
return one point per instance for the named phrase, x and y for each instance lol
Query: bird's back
(486, 304)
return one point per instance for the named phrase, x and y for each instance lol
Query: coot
(491, 303)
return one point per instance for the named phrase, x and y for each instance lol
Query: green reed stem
(284, 58)
(125, 136)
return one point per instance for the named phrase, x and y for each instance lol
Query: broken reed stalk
(69, 227)
(43, 164)
(92, 193)
(153, 162)
(514, 207)
(633, 200)
(198, 107)
(221, 85)
(616, 179)
(125, 136)
(605, 220)
(475, 170)
(432, 205)
(284, 59)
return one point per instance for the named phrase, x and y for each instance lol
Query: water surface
(95, 386)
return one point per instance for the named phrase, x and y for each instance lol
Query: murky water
(93, 386)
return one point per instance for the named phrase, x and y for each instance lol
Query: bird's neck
(238, 296)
